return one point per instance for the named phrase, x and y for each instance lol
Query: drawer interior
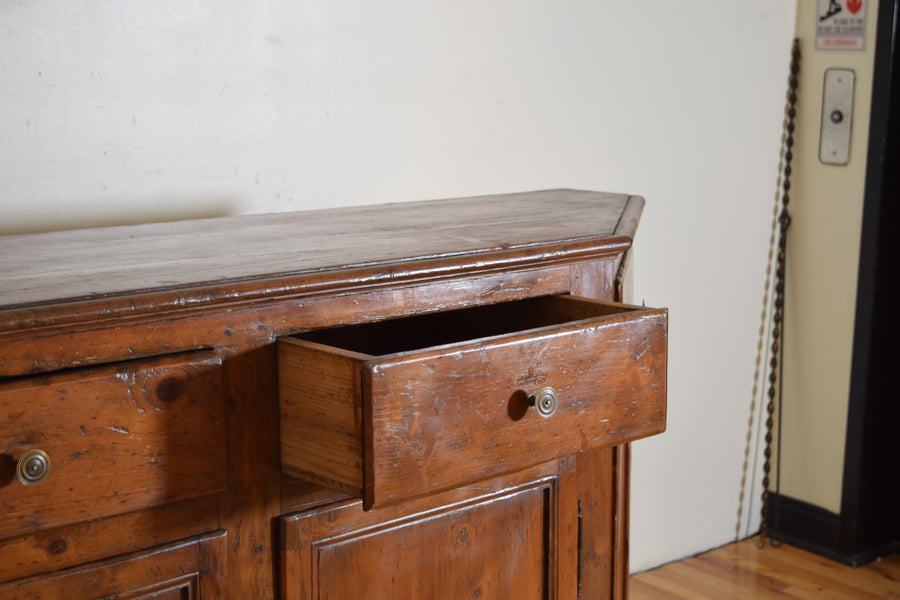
(452, 327)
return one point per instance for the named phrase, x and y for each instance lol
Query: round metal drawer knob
(33, 467)
(546, 401)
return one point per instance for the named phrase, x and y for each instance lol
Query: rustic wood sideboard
(421, 400)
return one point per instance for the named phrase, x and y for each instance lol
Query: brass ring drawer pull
(33, 467)
(546, 401)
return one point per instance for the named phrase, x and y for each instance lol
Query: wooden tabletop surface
(64, 266)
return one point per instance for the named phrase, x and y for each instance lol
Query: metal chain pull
(778, 320)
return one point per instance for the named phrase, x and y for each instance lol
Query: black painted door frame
(870, 500)
(868, 525)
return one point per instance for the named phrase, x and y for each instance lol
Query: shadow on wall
(85, 213)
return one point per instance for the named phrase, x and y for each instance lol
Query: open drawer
(401, 408)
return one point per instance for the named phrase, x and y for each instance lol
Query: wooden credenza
(428, 400)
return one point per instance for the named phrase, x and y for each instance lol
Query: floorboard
(745, 571)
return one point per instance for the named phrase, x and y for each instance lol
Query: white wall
(129, 111)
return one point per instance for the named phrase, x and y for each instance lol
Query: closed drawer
(117, 438)
(193, 568)
(402, 408)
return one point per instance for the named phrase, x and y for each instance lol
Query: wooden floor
(742, 570)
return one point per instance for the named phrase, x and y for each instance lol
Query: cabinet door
(185, 570)
(505, 538)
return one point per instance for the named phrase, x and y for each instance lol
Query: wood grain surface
(133, 436)
(68, 265)
(455, 414)
(96, 325)
(743, 571)
(189, 569)
(437, 408)
(502, 539)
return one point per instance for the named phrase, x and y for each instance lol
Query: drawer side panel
(321, 421)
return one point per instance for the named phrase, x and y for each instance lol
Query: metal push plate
(837, 113)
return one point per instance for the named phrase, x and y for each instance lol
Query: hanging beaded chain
(775, 379)
(761, 344)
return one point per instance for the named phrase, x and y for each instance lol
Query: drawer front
(445, 418)
(116, 438)
(423, 420)
(192, 568)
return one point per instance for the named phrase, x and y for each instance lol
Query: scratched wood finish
(190, 569)
(252, 501)
(187, 255)
(397, 563)
(90, 541)
(36, 348)
(602, 474)
(70, 305)
(119, 438)
(453, 413)
(498, 540)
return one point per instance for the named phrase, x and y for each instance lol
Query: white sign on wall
(841, 25)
